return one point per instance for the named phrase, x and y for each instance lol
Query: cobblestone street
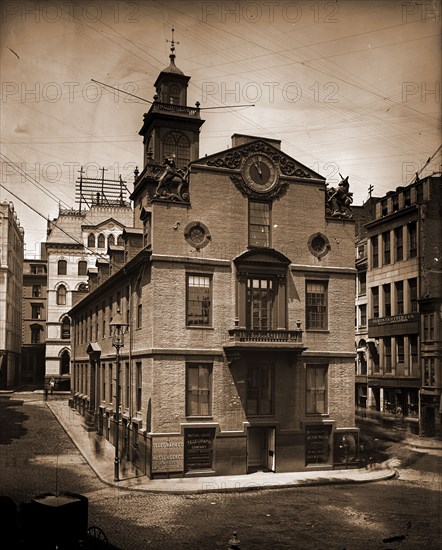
(37, 456)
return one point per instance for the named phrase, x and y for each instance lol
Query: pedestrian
(46, 392)
(52, 385)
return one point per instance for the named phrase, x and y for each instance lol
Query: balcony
(274, 340)
(158, 107)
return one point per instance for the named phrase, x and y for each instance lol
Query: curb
(388, 473)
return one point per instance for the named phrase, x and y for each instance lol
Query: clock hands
(257, 166)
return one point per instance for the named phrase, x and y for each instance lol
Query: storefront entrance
(260, 449)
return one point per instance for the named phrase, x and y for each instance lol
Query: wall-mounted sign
(167, 453)
(317, 444)
(199, 448)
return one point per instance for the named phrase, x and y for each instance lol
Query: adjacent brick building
(237, 283)
(35, 283)
(11, 281)
(74, 242)
(402, 290)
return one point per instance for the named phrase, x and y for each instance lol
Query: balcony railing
(158, 107)
(259, 335)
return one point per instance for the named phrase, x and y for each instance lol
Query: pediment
(104, 225)
(232, 159)
(262, 256)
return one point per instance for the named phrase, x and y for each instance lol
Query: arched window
(61, 295)
(101, 241)
(82, 267)
(65, 361)
(66, 328)
(120, 240)
(174, 94)
(91, 240)
(62, 267)
(110, 240)
(176, 145)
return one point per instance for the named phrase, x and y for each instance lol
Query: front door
(260, 449)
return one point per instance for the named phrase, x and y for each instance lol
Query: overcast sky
(350, 87)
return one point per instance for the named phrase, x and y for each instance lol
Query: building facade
(11, 281)
(34, 321)
(75, 240)
(237, 285)
(403, 295)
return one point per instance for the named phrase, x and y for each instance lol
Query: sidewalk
(99, 453)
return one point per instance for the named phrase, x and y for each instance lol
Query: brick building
(74, 242)
(403, 296)
(35, 283)
(237, 284)
(11, 281)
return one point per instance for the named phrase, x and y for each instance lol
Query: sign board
(407, 323)
(317, 444)
(199, 448)
(167, 453)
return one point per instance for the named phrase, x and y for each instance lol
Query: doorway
(260, 449)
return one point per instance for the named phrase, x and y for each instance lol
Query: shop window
(260, 391)
(198, 390)
(61, 295)
(259, 223)
(374, 252)
(62, 267)
(316, 305)
(386, 245)
(82, 267)
(398, 244)
(199, 302)
(316, 389)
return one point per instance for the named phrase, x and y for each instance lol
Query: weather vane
(172, 42)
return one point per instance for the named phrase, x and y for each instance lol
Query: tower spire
(172, 47)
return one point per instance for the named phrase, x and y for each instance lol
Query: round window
(318, 245)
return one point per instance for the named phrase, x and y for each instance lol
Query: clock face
(260, 172)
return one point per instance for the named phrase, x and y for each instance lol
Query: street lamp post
(117, 327)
